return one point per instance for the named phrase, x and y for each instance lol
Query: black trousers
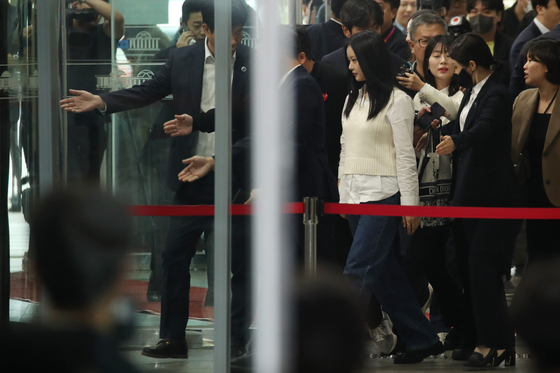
(180, 248)
(484, 249)
(429, 244)
(543, 236)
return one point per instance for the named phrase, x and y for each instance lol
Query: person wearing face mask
(535, 149)
(483, 176)
(484, 17)
(513, 16)
(548, 16)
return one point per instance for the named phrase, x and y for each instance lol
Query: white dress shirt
(541, 27)
(205, 146)
(355, 188)
(476, 89)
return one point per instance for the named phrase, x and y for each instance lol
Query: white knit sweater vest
(369, 145)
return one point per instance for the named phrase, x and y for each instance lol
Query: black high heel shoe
(508, 355)
(478, 361)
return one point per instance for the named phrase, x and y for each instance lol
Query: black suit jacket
(516, 61)
(182, 76)
(483, 173)
(325, 38)
(312, 175)
(333, 85)
(397, 43)
(502, 48)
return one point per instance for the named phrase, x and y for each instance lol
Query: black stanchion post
(310, 221)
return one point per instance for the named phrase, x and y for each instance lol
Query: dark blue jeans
(373, 267)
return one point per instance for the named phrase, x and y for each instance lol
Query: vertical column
(272, 163)
(222, 200)
(48, 59)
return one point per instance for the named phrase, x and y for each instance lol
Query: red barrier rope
(202, 210)
(444, 212)
(363, 209)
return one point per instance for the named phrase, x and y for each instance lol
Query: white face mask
(527, 8)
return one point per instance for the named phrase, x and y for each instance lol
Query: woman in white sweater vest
(378, 166)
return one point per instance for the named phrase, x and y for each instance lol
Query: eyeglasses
(422, 42)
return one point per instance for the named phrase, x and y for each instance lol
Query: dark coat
(517, 61)
(313, 177)
(333, 85)
(182, 76)
(502, 48)
(325, 38)
(510, 23)
(483, 173)
(397, 43)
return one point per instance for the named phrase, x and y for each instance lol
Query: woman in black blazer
(483, 175)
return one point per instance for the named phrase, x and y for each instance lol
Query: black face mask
(464, 79)
(481, 24)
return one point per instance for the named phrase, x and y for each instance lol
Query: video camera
(84, 15)
(458, 25)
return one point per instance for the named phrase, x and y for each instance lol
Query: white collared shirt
(340, 23)
(476, 89)
(205, 146)
(541, 27)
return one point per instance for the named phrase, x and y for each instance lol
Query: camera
(458, 25)
(84, 15)
(403, 70)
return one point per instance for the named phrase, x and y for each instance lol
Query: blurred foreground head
(330, 325)
(536, 313)
(79, 239)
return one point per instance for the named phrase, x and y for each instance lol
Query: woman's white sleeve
(451, 104)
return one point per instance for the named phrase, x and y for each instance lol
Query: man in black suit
(393, 36)
(189, 75)
(358, 16)
(548, 16)
(327, 36)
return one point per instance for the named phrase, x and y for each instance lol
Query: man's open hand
(182, 125)
(81, 102)
(197, 167)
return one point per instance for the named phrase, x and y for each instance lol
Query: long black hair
(376, 65)
(445, 41)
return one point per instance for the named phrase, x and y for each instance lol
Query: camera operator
(484, 17)
(89, 43)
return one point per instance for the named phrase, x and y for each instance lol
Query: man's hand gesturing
(81, 102)
(197, 167)
(182, 125)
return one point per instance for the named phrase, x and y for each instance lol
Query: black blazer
(483, 173)
(182, 76)
(517, 61)
(502, 48)
(312, 175)
(325, 38)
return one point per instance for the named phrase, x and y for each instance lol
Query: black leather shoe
(461, 354)
(476, 360)
(453, 339)
(416, 356)
(242, 364)
(236, 351)
(167, 348)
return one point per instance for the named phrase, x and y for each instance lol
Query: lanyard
(390, 34)
(551, 101)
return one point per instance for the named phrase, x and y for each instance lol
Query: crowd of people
(394, 111)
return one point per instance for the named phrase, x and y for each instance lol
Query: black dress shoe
(236, 351)
(242, 364)
(453, 339)
(461, 354)
(476, 360)
(167, 348)
(416, 356)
